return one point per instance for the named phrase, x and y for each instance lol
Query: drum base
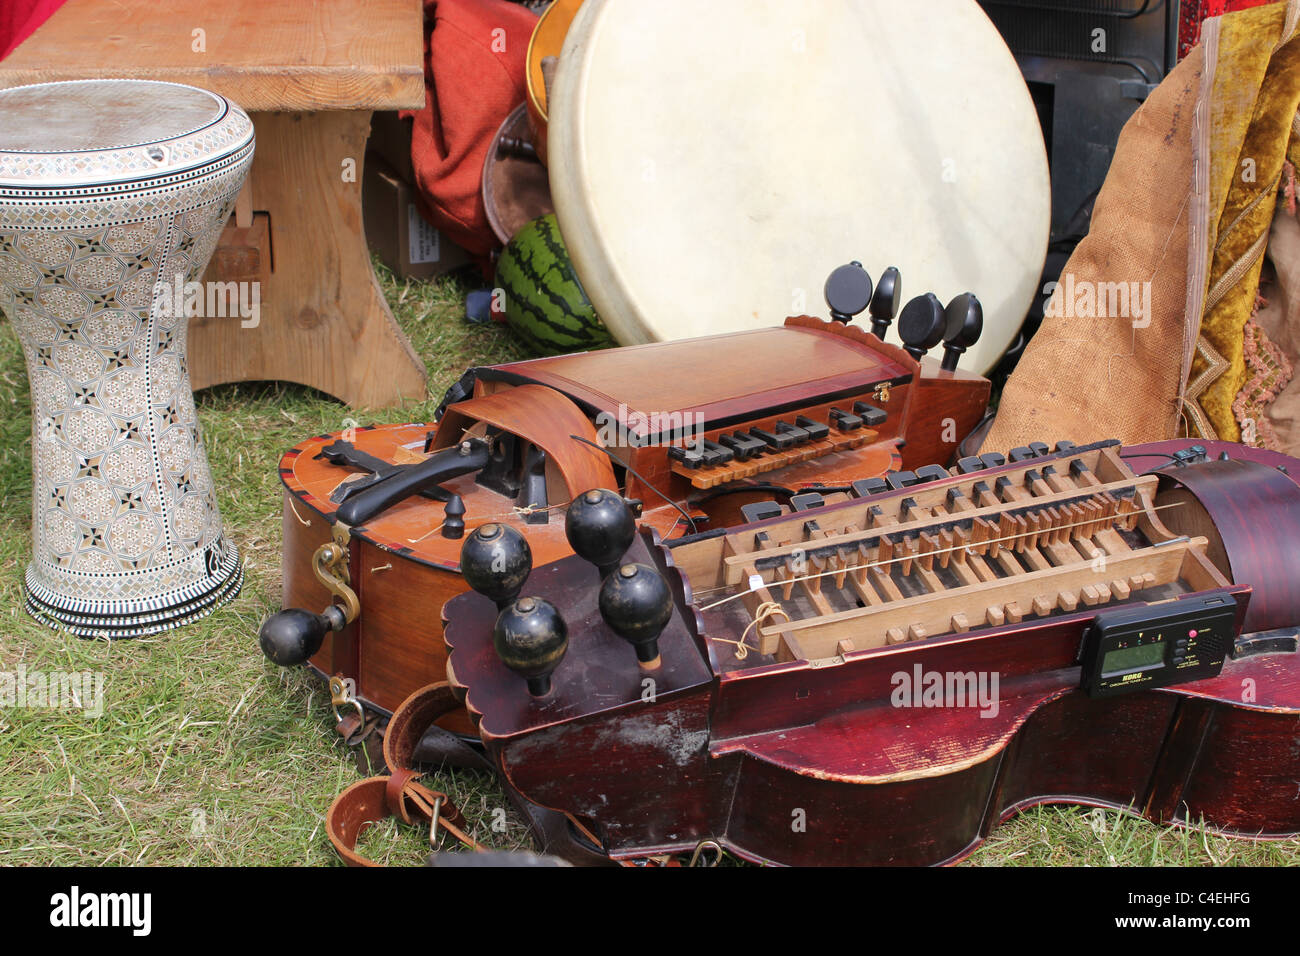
(117, 620)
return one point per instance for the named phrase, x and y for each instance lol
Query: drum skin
(711, 163)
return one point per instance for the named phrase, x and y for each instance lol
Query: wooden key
(884, 552)
(958, 624)
(984, 496)
(1128, 510)
(812, 578)
(785, 574)
(993, 536)
(1019, 529)
(1059, 479)
(1037, 484)
(1013, 612)
(927, 544)
(1042, 605)
(894, 636)
(913, 512)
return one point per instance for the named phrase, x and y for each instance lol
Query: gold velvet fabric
(1255, 97)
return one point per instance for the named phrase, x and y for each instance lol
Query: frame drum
(113, 194)
(711, 163)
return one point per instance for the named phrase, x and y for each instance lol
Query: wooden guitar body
(595, 420)
(828, 742)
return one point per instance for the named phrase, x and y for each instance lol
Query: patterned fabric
(1192, 13)
(1268, 372)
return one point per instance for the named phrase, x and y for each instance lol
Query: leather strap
(368, 801)
(413, 739)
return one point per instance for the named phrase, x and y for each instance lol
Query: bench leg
(323, 321)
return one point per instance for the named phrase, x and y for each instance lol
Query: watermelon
(541, 296)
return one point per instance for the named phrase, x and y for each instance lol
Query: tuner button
(921, 324)
(636, 603)
(292, 636)
(884, 301)
(848, 291)
(963, 321)
(495, 561)
(600, 528)
(530, 637)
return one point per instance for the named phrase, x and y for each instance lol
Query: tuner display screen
(1133, 658)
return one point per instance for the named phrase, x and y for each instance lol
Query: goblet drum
(113, 194)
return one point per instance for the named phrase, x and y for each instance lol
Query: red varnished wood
(1254, 511)
(547, 419)
(810, 763)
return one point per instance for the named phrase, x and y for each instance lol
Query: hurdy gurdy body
(884, 679)
(374, 518)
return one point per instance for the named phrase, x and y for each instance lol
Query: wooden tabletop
(264, 55)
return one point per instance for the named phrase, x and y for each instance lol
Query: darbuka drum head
(711, 163)
(113, 195)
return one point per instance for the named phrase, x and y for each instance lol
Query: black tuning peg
(530, 637)
(600, 527)
(291, 636)
(453, 522)
(963, 322)
(636, 603)
(847, 291)
(884, 301)
(495, 561)
(921, 326)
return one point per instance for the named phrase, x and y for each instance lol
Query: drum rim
(223, 110)
(579, 215)
(37, 187)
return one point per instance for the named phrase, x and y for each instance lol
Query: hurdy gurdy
(884, 678)
(692, 431)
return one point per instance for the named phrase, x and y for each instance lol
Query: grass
(207, 755)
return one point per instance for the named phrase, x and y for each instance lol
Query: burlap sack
(1089, 374)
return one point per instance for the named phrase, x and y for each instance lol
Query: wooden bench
(310, 75)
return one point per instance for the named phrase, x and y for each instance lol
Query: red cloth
(474, 75)
(1191, 13)
(19, 20)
